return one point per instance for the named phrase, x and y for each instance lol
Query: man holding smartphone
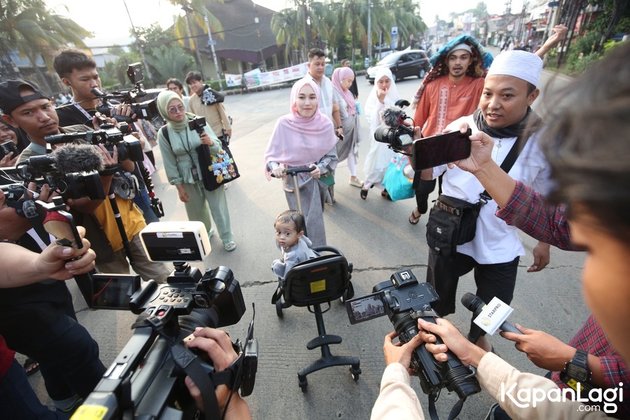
(510, 88)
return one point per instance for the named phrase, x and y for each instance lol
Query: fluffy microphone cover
(77, 158)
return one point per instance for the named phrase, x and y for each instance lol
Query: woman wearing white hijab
(383, 94)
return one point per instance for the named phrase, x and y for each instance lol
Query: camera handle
(119, 223)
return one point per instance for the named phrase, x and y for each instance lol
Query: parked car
(403, 64)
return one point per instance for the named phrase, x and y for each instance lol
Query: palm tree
(168, 61)
(192, 26)
(284, 25)
(30, 28)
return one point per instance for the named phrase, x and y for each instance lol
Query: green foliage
(168, 61)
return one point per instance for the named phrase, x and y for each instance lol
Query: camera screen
(365, 308)
(438, 150)
(113, 291)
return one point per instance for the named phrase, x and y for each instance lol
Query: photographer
(575, 141)
(218, 346)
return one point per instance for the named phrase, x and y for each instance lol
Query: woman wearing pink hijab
(304, 137)
(348, 148)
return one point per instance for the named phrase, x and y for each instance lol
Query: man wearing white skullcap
(494, 252)
(450, 90)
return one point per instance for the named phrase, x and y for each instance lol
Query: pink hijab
(339, 74)
(296, 140)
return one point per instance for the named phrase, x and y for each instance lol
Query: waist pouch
(451, 222)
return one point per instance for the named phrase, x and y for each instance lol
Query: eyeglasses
(176, 109)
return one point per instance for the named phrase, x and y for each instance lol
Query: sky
(110, 23)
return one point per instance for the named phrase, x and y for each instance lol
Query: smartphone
(365, 308)
(8, 147)
(438, 150)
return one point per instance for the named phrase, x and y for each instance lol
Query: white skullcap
(462, 46)
(522, 64)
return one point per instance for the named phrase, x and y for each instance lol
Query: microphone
(77, 158)
(394, 116)
(475, 304)
(97, 92)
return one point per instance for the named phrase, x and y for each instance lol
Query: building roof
(247, 34)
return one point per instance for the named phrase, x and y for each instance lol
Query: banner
(256, 78)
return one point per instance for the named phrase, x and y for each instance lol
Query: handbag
(453, 221)
(216, 168)
(398, 186)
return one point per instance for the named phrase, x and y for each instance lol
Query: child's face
(287, 235)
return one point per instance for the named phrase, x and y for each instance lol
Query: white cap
(462, 46)
(522, 64)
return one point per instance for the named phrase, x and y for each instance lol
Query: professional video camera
(146, 110)
(48, 169)
(394, 131)
(404, 300)
(147, 378)
(109, 136)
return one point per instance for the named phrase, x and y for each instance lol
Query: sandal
(385, 195)
(356, 182)
(413, 219)
(364, 194)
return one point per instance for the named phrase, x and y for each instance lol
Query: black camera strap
(506, 165)
(457, 408)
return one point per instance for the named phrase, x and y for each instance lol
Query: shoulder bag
(453, 221)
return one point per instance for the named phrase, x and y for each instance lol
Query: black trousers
(491, 279)
(422, 189)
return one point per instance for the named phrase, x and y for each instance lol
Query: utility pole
(369, 31)
(214, 55)
(140, 43)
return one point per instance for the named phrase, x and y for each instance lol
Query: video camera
(44, 170)
(146, 110)
(147, 378)
(394, 131)
(109, 136)
(404, 300)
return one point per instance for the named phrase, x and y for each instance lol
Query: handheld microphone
(475, 304)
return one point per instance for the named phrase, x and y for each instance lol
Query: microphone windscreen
(77, 158)
(392, 116)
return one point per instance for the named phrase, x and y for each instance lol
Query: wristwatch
(577, 368)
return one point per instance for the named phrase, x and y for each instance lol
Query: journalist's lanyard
(82, 111)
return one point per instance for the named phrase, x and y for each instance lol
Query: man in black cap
(38, 320)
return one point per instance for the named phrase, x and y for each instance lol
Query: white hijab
(373, 107)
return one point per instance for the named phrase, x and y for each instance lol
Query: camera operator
(17, 399)
(38, 319)
(79, 73)
(218, 346)
(32, 111)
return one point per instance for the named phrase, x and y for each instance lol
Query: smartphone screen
(438, 150)
(365, 308)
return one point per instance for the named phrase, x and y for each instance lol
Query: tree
(284, 25)
(169, 61)
(30, 28)
(192, 26)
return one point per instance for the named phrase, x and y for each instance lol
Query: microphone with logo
(494, 314)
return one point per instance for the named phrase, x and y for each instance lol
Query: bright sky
(110, 23)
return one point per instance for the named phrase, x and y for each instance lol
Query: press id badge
(195, 173)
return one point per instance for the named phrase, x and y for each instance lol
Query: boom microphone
(77, 158)
(475, 304)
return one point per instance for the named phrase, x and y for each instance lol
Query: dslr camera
(404, 300)
(145, 110)
(147, 378)
(394, 131)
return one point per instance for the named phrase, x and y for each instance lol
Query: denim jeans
(18, 400)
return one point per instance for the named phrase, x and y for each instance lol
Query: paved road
(376, 237)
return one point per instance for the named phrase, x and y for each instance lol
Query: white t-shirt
(326, 96)
(495, 241)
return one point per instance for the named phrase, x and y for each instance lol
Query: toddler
(290, 238)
